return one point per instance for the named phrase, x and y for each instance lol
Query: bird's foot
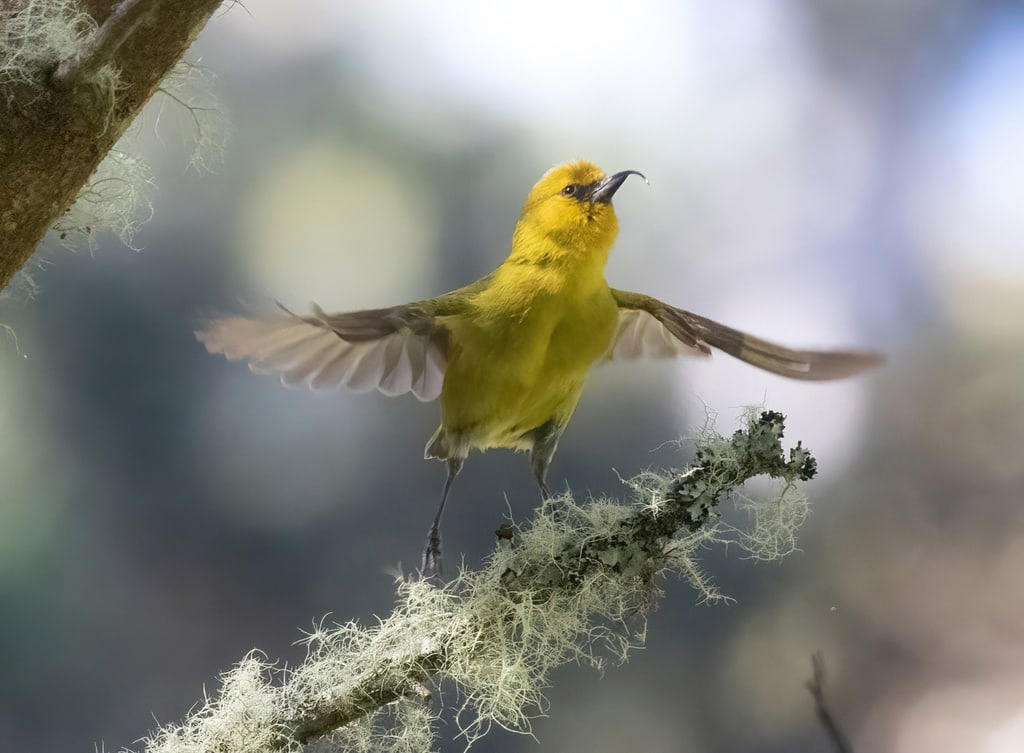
(431, 566)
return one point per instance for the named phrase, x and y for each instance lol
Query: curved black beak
(607, 187)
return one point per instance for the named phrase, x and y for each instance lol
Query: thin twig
(101, 48)
(816, 687)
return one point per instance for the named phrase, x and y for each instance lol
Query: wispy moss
(187, 98)
(117, 199)
(573, 585)
(36, 35)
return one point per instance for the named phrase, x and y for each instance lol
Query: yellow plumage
(509, 354)
(520, 354)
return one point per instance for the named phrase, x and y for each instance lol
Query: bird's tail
(437, 446)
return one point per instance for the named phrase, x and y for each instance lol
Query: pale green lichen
(187, 99)
(772, 527)
(241, 718)
(116, 199)
(23, 285)
(118, 196)
(494, 633)
(36, 35)
(11, 335)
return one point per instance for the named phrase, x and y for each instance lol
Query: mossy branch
(573, 585)
(101, 46)
(73, 76)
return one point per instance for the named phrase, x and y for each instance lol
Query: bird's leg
(540, 472)
(545, 442)
(431, 566)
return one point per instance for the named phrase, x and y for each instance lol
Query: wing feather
(395, 350)
(650, 328)
(298, 367)
(238, 337)
(369, 368)
(335, 367)
(642, 335)
(397, 378)
(433, 372)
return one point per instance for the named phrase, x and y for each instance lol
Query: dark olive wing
(394, 350)
(650, 328)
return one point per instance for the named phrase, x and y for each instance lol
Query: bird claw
(432, 562)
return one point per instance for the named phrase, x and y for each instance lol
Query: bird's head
(572, 206)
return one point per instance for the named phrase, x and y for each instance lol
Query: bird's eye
(569, 190)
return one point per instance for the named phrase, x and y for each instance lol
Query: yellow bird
(508, 354)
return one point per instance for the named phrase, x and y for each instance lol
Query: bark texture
(57, 126)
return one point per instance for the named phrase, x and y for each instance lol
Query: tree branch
(63, 108)
(574, 580)
(101, 47)
(816, 687)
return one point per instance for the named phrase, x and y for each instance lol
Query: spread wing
(649, 328)
(393, 350)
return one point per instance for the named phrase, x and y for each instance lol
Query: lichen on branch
(73, 76)
(574, 584)
(37, 35)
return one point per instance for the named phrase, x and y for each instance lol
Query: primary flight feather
(508, 355)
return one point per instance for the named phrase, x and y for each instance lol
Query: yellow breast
(523, 359)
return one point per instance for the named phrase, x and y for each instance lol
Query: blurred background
(822, 173)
